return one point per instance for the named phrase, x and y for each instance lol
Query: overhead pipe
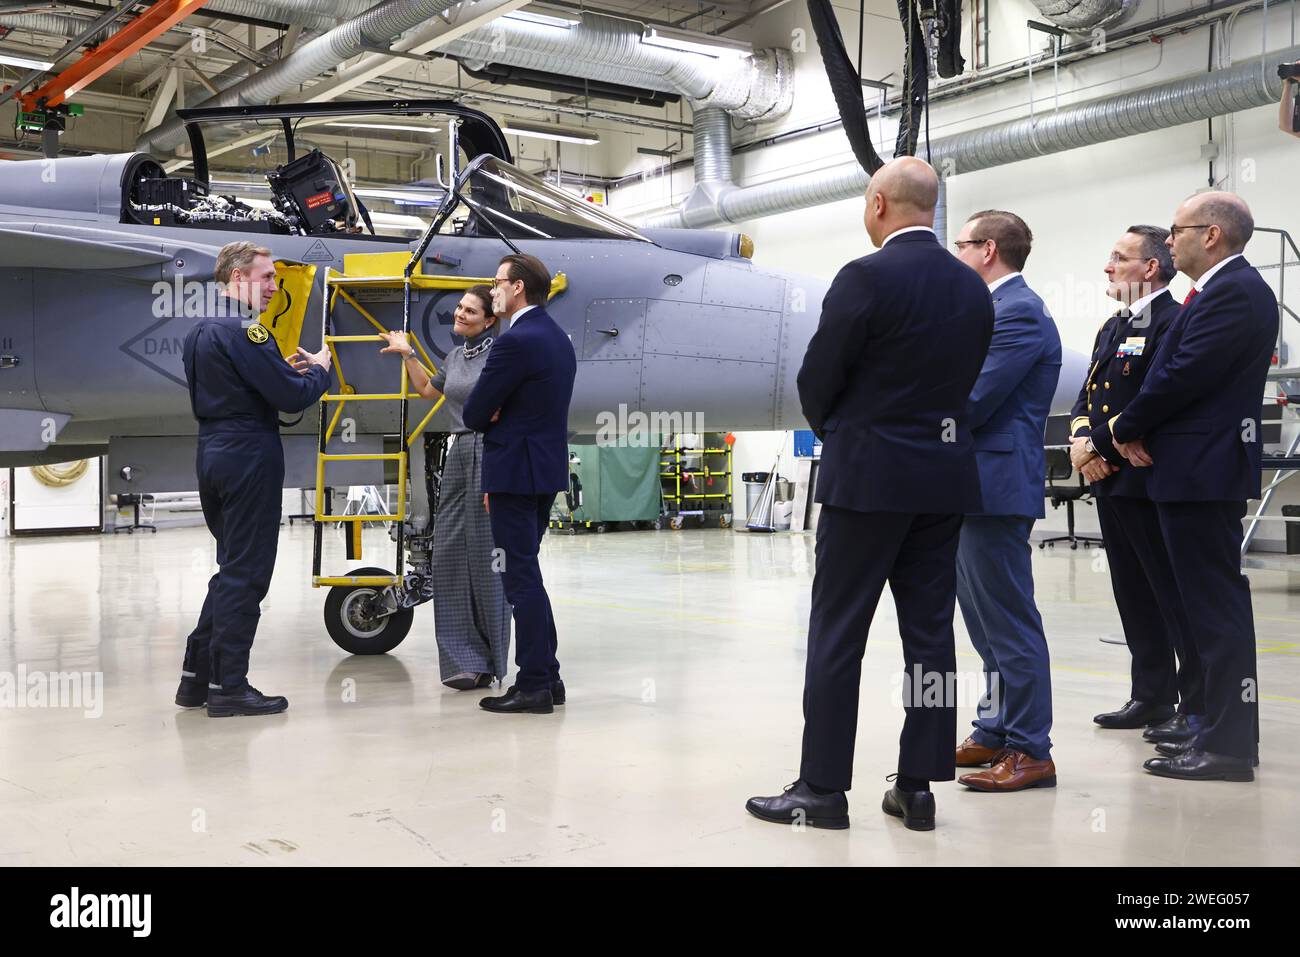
(614, 50)
(1082, 16)
(378, 26)
(1247, 84)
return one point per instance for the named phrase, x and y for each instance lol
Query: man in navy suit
(521, 405)
(884, 383)
(995, 581)
(1141, 576)
(1196, 423)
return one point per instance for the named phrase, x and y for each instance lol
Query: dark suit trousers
(857, 553)
(1146, 594)
(1203, 541)
(518, 524)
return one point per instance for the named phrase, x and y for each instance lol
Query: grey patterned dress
(471, 614)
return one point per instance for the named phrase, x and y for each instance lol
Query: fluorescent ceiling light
(691, 42)
(404, 127)
(10, 59)
(541, 131)
(545, 19)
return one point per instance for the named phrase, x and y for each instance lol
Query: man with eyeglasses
(1195, 423)
(521, 405)
(1146, 594)
(1007, 411)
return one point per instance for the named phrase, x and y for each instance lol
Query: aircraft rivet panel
(711, 331)
(737, 284)
(725, 393)
(615, 329)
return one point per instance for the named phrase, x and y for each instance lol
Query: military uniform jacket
(1121, 355)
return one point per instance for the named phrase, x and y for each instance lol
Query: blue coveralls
(237, 383)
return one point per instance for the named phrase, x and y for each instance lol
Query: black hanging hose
(846, 86)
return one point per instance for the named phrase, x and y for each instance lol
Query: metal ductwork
(1081, 16)
(613, 50)
(1247, 84)
(378, 26)
(312, 14)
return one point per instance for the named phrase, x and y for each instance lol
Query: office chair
(1060, 469)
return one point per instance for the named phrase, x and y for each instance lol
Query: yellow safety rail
(383, 271)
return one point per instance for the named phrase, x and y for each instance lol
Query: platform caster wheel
(677, 523)
(602, 528)
(657, 524)
(356, 632)
(1074, 546)
(724, 521)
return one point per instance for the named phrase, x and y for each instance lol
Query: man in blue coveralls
(238, 383)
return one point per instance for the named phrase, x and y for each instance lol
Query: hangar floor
(683, 655)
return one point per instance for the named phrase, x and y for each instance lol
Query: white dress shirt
(906, 229)
(998, 282)
(1209, 273)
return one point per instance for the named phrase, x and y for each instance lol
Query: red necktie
(1191, 295)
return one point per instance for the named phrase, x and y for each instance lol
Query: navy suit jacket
(1011, 400)
(528, 376)
(1114, 379)
(885, 380)
(1199, 408)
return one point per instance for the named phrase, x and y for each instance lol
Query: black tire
(354, 636)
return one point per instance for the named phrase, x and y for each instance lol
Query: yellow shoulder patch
(258, 333)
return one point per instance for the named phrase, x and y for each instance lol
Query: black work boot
(192, 693)
(245, 701)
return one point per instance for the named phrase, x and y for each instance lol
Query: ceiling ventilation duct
(1082, 16)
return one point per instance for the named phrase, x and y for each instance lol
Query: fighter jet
(107, 260)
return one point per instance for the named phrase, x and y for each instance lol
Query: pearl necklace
(471, 353)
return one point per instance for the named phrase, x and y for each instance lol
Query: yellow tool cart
(697, 481)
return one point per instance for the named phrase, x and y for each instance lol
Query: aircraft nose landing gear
(356, 620)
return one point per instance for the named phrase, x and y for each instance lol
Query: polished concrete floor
(683, 654)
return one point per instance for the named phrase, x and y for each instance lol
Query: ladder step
(369, 397)
(363, 457)
(358, 518)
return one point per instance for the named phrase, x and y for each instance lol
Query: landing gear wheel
(356, 632)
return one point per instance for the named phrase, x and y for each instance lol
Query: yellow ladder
(385, 271)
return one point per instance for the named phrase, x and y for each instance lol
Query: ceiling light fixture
(545, 19)
(10, 59)
(691, 42)
(542, 131)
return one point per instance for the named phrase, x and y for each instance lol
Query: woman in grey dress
(471, 614)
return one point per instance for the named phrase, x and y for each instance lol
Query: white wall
(1077, 203)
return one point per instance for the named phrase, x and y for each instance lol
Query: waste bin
(1292, 529)
(754, 482)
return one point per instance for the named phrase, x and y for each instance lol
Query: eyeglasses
(1173, 230)
(970, 242)
(498, 282)
(1116, 259)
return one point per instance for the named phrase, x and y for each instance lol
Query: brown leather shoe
(1014, 772)
(973, 755)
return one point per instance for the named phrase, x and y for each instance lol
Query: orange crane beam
(93, 64)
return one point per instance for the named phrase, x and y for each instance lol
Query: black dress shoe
(1171, 749)
(916, 808)
(515, 701)
(1197, 765)
(800, 804)
(1176, 728)
(192, 693)
(246, 702)
(1135, 714)
(557, 693)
